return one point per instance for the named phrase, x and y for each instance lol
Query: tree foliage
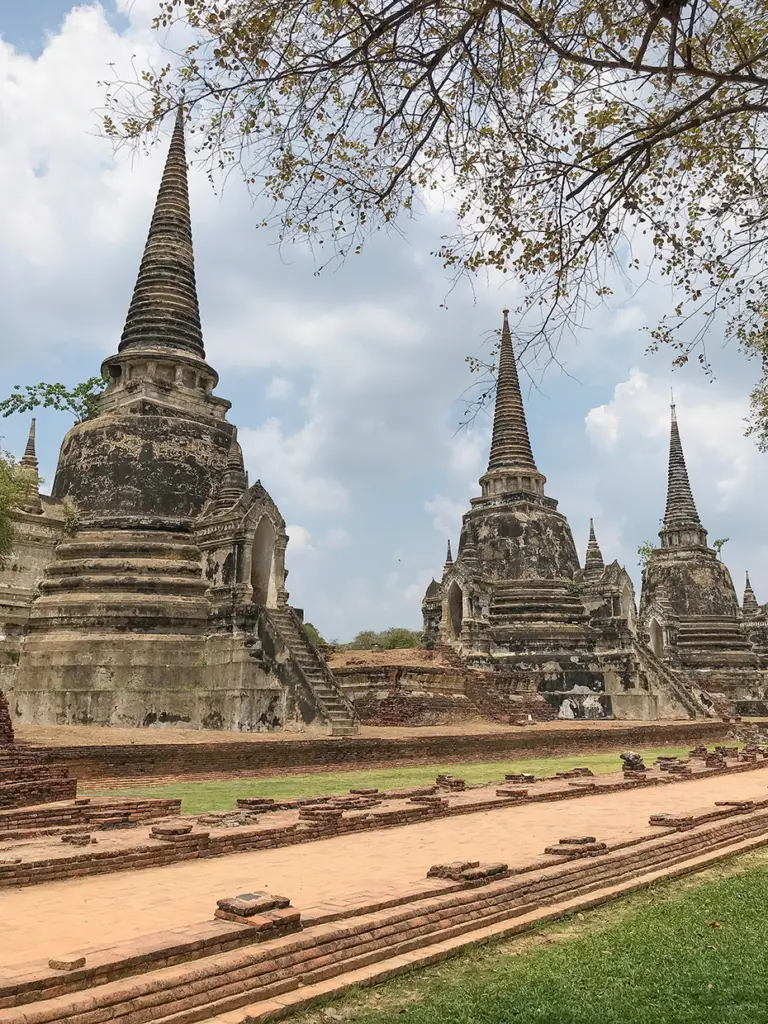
(581, 138)
(14, 486)
(81, 400)
(314, 634)
(394, 638)
(719, 544)
(644, 551)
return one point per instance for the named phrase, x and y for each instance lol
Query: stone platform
(159, 954)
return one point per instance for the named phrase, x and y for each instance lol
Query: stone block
(250, 903)
(484, 871)
(67, 965)
(452, 870)
(582, 850)
(168, 831)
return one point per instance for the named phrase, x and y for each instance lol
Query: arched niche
(455, 609)
(656, 634)
(263, 565)
(627, 605)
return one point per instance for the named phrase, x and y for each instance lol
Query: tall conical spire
(682, 525)
(164, 309)
(510, 444)
(749, 605)
(29, 466)
(594, 566)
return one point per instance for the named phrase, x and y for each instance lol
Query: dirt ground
(93, 735)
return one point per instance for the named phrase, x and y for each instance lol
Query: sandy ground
(93, 735)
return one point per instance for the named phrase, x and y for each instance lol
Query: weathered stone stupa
(517, 599)
(689, 611)
(165, 602)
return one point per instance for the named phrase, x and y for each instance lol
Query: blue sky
(344, 385)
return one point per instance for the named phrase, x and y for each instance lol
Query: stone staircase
(674, 683)
(334, 706)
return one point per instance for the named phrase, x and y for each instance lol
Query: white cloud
(446, 515)
(279, 388)
(284, 463)
(469, 452)
(414, 592)
(299, 538)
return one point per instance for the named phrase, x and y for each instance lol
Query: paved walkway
(61, 918)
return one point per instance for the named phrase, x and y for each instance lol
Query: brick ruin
(258, 955)
(150, 587)
(516, 599)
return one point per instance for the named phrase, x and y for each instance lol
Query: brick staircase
(334, 706)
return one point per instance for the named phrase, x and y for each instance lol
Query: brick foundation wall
(290, 756)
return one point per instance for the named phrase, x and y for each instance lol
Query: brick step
(176, 997)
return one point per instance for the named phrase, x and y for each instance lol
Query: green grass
(691, 952)
(199, 797)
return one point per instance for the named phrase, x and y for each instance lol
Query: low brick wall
(197, 845)
(275, 757)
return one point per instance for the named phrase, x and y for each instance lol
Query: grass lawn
(690, 952)
(199, 797)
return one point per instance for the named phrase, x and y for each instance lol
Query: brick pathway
(62, 918)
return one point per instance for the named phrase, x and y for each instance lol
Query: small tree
(314, 634)
(645, 550)
(81, 400)
(718, 546)
(394, 638)
(14, 486)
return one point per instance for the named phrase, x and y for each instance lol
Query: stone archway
(656, 634)
(263, 565)
(455, 609)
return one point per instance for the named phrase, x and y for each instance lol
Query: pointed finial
(449, 556)
(594, 566)
(749, 604)
(29, 451)
(234, 481)
(30, 468)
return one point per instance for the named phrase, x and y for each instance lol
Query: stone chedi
(167, 604)
(516, 597)
(689, 611)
